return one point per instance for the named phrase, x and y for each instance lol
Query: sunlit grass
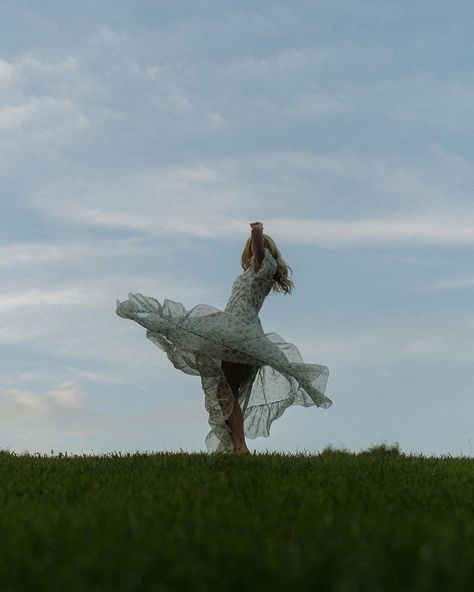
(377, 520)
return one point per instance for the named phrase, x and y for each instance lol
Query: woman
(248, 377)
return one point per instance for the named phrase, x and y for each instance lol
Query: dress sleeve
(268, 266)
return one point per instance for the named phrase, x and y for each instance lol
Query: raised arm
(257, 244)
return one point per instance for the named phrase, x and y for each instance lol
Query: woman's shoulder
(269, 257)
(269, 264)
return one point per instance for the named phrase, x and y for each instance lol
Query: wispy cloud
(19, 255)
(7, 73)
(41, 420)
(42, 298)
(195, 200)
(41, 96)
(448, 105)
(64, 397)
(42, 112)
(453, 283)
(441, 338)
(421, 229)
(217, 200)
(77, 321)
(14, 334)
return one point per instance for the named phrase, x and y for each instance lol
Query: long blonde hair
(281, 282)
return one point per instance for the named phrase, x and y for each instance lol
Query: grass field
(374, 521)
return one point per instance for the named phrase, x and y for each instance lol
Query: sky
(138, 140)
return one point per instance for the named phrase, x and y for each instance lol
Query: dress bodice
(251, 288)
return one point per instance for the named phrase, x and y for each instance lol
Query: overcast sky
(137, 142)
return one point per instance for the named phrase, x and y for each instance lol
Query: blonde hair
(281, 282)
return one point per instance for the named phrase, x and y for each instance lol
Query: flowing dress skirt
(196, 342)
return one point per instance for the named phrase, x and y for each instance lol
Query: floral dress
(196, 341)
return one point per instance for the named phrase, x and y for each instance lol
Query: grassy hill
(374, 521)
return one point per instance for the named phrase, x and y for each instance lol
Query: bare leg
(235, 374)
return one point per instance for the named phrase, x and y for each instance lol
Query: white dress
(198, 340)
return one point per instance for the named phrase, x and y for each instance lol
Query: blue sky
(139, 139)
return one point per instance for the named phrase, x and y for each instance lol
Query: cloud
(287, 61)
(196, 201)
(76, 321)
(42, 420)
(47, 115)
(7, 73)
(12, 334)
(188, 412)
(441, 338)
(64, 397)
(448, 105)
(62, 419)
(360, 199)
(14, 115)
(42, 99)
(34, 299)
(30, 254)
(93, 292)
(456, 283)
(37, 377)
(432, 229)
(42, 255)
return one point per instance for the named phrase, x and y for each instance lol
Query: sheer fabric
(196, 342)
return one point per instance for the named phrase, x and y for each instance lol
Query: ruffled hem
(197, 341)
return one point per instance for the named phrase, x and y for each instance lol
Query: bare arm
(257, 243)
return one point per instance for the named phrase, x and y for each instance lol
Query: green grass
(374, 521)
